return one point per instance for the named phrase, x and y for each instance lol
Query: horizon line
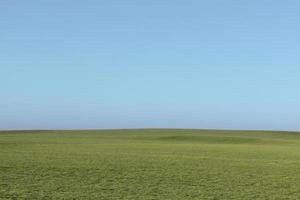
(107, 129)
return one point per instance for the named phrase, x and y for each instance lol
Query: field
(149, 164)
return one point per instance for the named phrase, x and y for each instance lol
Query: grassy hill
(149, 164)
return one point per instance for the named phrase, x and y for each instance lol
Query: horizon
(69, 65)
(159, 129)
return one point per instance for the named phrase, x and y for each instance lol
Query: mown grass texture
(149, 164)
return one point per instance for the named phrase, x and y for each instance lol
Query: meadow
(149, 164)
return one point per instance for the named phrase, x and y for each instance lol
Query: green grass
(149, 164)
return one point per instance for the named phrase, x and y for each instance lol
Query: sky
(69, 64)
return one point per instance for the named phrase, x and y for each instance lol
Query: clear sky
(67, 64)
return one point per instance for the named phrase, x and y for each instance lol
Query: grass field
(149, 164)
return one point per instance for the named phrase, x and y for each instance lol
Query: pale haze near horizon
(150, 64)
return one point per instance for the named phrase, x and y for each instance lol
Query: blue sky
(150, 64)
